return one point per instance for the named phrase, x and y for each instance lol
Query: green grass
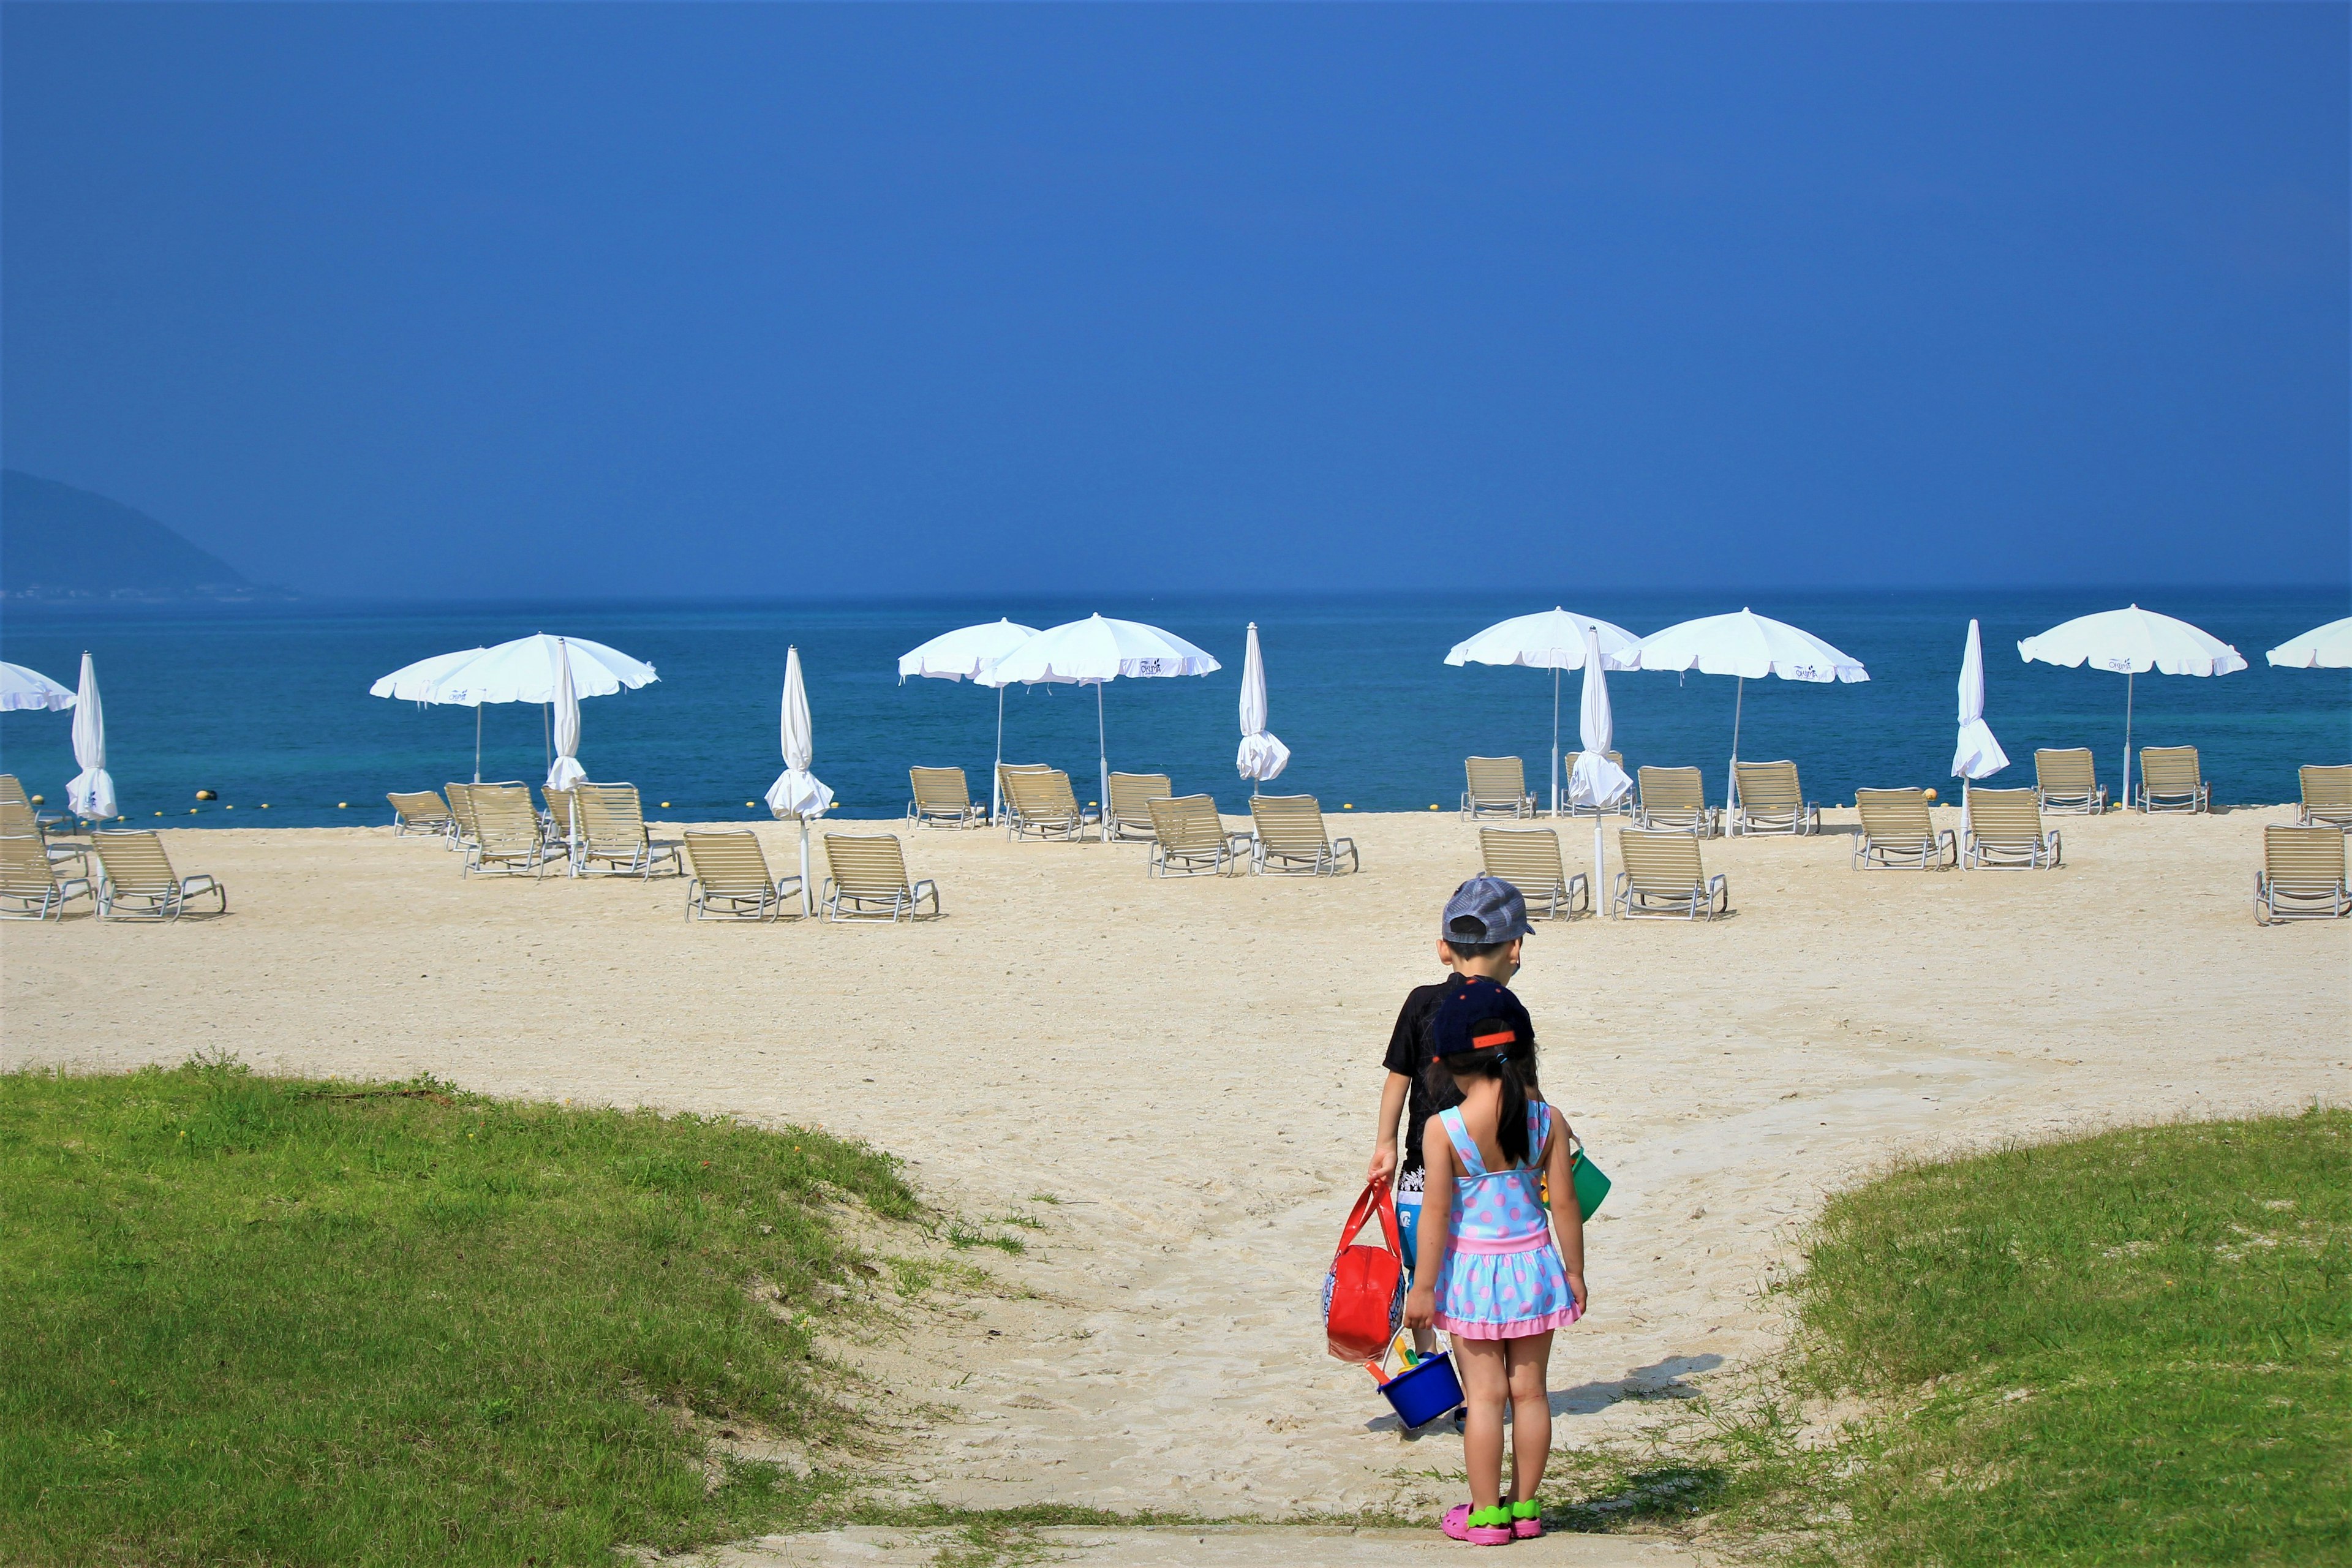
(254, 1320)
(2127, 1349)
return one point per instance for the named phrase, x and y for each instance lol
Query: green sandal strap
(1528, 1510)
(1480, 1518)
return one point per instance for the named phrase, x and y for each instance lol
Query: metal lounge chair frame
(1664, 879)
(1039, 800)
(2005, 831)
(30, 888)
(1771, 800)
(2327, 797)
(2067, 779)
(134, 869)
(1290, 838)
(560, 820)
(508, 836)
(2169, 780)
(2302, 877)
(419, 811)
(609, 825)
(729, 878)
(942, 799)
(1528, 859)
(1131, 795)
(1898, 834)
(1497, 786)
(1673, 800)
(869, 881)
(1189, 839)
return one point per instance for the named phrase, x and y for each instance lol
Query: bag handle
(1376, 1199)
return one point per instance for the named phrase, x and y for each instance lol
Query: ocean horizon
(266, 704)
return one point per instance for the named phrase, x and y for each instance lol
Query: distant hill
(58, 542)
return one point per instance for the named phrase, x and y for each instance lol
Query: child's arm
(1384, 1145)
(1567, 1218)
(1436, 1226)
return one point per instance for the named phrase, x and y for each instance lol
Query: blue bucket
(1425, 1392)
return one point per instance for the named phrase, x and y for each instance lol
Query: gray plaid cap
(1484, 909)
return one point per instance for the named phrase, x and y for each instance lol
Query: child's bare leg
(1527, 1361)
(1486, 1384)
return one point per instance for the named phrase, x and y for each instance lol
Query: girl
(1494, 1275)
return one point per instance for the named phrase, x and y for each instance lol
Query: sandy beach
(1177, 1079)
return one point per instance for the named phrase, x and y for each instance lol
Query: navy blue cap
(1477, 1014)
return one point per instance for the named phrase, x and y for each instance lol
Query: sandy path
(1189, 1068)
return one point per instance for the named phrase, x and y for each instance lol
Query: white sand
(1190, 1066)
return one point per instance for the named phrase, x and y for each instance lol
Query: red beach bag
(1363, 1295)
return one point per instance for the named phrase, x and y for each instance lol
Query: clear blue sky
(488, 300)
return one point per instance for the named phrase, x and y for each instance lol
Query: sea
(267, 706)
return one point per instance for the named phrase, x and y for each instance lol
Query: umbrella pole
(1598, 881)
(996, 775)
(2129, 675)
(808, 902)
(1555, 741)
(1102, 757)
(1732, 774)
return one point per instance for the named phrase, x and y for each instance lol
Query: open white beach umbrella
(2131, 642)
(1977, 755)
(1094, 652)
(2321, 647)
(797, 793)
(1751, 647)
(566, 770)
(1596, 782)
(91, 793)
(523, 670)
(967, 654)
(1261, 757)
(22, 688)
(1555, 640)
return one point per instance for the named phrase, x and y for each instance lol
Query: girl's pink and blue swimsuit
(1503, 1278)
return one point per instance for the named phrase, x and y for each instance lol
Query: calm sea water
(269, 704)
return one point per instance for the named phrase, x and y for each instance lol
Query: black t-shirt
(1409, 1053)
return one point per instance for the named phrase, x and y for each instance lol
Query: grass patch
(255, 1320)
(2126, 1349)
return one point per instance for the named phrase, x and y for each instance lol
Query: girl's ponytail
(1511, 1115)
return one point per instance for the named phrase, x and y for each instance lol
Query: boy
(1478, 935)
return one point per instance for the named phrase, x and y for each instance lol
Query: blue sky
(444, 299)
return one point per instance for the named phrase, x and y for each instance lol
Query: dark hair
(1515, 1066)
(1472, 926)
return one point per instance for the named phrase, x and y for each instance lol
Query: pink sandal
(1527, 1520)
(1486, 1527)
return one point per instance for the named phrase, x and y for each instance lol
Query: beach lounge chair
(2302, 877)
(2068, 781)
(729, 877)
(2327, 797)
(2005, 829)
(1771, 800)
(1625, 804)
(507, 834)
(609, 830)
(1131, 795)
(869, 881)
(133, 871)
(461, 813)
(1897, 831)
(1039, 801)
(1189, 837)
(423, 811)
(1673, 800)
(1665, 876)
(559, 819)
(30, 887)
(941, 800)
(1498, 787)
(17, 821)
(1529, 859)
(1291, 838)
(2169, 780)
(12, 789)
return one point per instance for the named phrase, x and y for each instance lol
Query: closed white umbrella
(1094, 652)
(1262, 757)
(91, 793)
(523, 670)
(2131, 642)
(2321, 647)
(1554, 640)
(566, 770)
(797, 793)
(967, 654)
(1751, 647)
(1977, 755)
(23, 688)
(1596, 782)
